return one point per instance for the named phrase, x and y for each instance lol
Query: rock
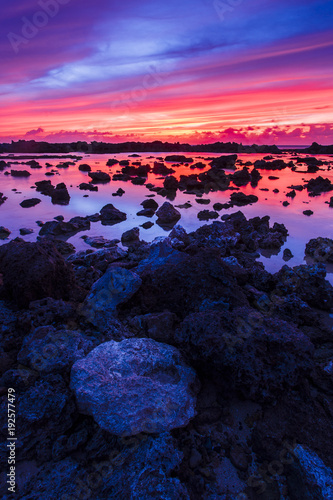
(285, 203)
(44, 187)
(320, 249)
(32, 202)
(100, 260)
(161, 169)
(178, 159)
(2, 198)
(24, 231)
(179, 237)
(19, 173)
(238, 458)
(270, 165)
(195, 459)
(115, 287)
(32, 271)
(119, 192)
(45, 410)
(146, 212)
(308, 212)
(158, 326)
(218, 206)
(241, 199)
(84, 186)
(99, 241)
(60, 228)
(203, 201)
(308, 477)
(319, 185)
(147, 225)
(131, 236)
(330, 204)
(167, 214)
(291, 194)
(207, 215)
(85, 168)
(111, 162)
(48, 350)
(243, 177)
(4, 233)
(111, 215)
(287, 254)
(97, 177)
(224, 162)
(137, 385)
(60, 195)
(171, 183)
(254, 354)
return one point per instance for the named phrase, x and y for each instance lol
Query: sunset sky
(192, 71)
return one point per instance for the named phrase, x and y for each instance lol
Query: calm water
(301, 228)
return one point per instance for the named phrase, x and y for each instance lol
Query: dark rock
(85, 168)
(97, 177)
(48, 350)
(257, 355)
(4, 232)
(207, 215)
(241, 177)
(147, 225)
(150, 204)
(241, 199)
(60, 195)
(270, 165)
(319, 185)
(131, 236)
(112, 162)
(285, 203)
(224, 162)
(203, 201)
(32, 202)
(161, 169)
(320, 249)
(178, 159)
(171, 183)
(44, 187)
(146, 212)
(2, 198)
(119, 192)
(32, 271)
(99, 241)
(137, 385)
(24, 231)
(291, 194)
(59, 228)
(19, 173)
(85, 186)
(308, 212)
(100, 260)
(111, 215)
(287, 254)
(167, 214)
(158, 326)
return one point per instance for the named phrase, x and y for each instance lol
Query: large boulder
(133, 386)
(115, 287)
(33, 271)
(111, 215)
(320, 249)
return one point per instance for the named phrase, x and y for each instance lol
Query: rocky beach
(166, 324)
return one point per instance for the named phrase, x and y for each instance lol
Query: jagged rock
(84, 186)
(224, 162)
(131, 236)
(167, 214)
(320, 249)
(207, 215)
(48, 350)
(4, 233)
(115, 287)
(137, 385)
(241, 199)
(99, 241)
(60, 195)
(319, 185)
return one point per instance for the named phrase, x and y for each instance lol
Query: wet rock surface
(174, 369)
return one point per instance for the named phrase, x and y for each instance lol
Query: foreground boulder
(320, 249)
(33, 271)
(167, 215)
(134, 386)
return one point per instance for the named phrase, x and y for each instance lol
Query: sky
(196, 71)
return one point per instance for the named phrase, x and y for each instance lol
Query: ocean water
(301, 228)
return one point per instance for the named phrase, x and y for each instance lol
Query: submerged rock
(133, 386)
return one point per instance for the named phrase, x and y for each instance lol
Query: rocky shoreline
(177, 369)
